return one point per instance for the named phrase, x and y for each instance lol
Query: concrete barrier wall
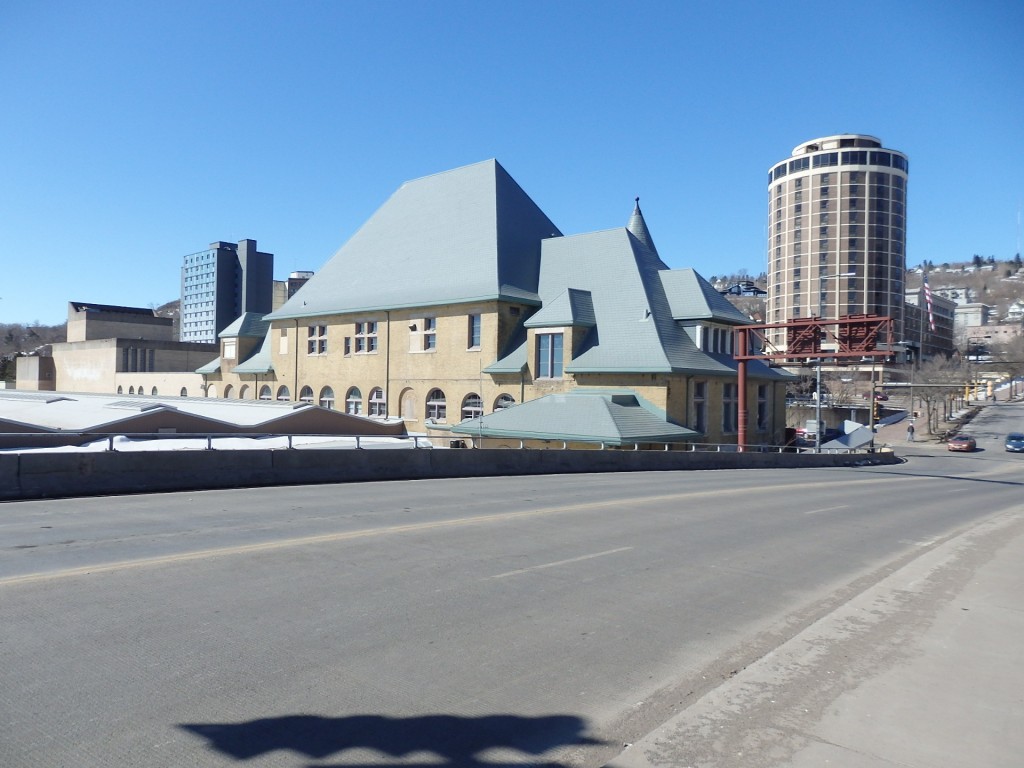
(55, 475)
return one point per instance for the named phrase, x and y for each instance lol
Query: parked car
(961, 443)
(1015, 442)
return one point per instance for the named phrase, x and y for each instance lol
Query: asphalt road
(497, 621)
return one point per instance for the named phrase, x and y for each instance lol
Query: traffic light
(875, 410)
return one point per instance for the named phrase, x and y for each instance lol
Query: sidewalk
(925, 669)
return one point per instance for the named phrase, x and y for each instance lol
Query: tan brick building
(459, 298)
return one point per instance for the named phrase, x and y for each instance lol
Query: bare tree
(841, 388)
(939, 399)
(1008, 357)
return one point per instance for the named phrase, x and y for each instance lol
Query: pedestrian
(910, 433)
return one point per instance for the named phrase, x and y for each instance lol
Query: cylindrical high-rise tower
(837, 232)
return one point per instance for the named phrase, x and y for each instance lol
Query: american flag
(928, 303)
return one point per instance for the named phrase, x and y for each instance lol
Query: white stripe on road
(559, 562)
(825, 509)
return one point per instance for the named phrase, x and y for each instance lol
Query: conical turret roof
(638, 227)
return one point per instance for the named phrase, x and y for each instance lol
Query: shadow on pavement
(457, 741)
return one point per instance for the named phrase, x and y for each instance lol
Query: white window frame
(429, 334)
(437, 405)
(378, 403)
(316, 340)
(326, 399)
(472, 406)
(354, 401)
(366, 337)
(551, 361)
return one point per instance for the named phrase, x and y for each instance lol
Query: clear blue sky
(133, 133)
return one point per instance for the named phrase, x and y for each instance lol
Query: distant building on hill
(220, 284)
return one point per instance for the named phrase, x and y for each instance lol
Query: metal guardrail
(73, 439)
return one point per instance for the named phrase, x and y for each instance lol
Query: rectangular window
(316, 340)
(282, 342)
(429, 333)
(348, 346)
(549, 355)
(474, 332)
(700, 406)
(366, 337)
(229, 349)
(729, 407)
(762, 407)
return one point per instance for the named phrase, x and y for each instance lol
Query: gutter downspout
(387, 367)
(295, 366)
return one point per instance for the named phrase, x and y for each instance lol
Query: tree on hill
(17, 339)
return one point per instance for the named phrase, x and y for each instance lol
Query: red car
(961, 443)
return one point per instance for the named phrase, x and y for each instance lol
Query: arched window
(211, 390)
(153, 391)
(472, 406)
(131, 390)
(354, 401)
(327, 397)
(243, 392)
(120, 389)
(378, 405)
(227, 391)
(183, 393)
(265, 393)
(283, 393)
(306, 394)
(437, 409)
(504, 401)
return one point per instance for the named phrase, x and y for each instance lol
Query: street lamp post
(973, 341)
(817, 387)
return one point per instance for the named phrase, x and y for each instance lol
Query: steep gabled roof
(259, 362)
(572, 308)
(249, 325)
(636, 329)
(691, 297)
(469, 234)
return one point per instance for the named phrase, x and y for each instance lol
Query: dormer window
(549, 355)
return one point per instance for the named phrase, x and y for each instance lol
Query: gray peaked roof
(248, 325)
(261, 361)
(463, 235)
(608, 417)
(691, 297)
(572, 308)
(640, 307)
(638, 227)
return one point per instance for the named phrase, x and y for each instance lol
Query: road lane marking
(301, 541)
(826, 509)
(558, 563)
